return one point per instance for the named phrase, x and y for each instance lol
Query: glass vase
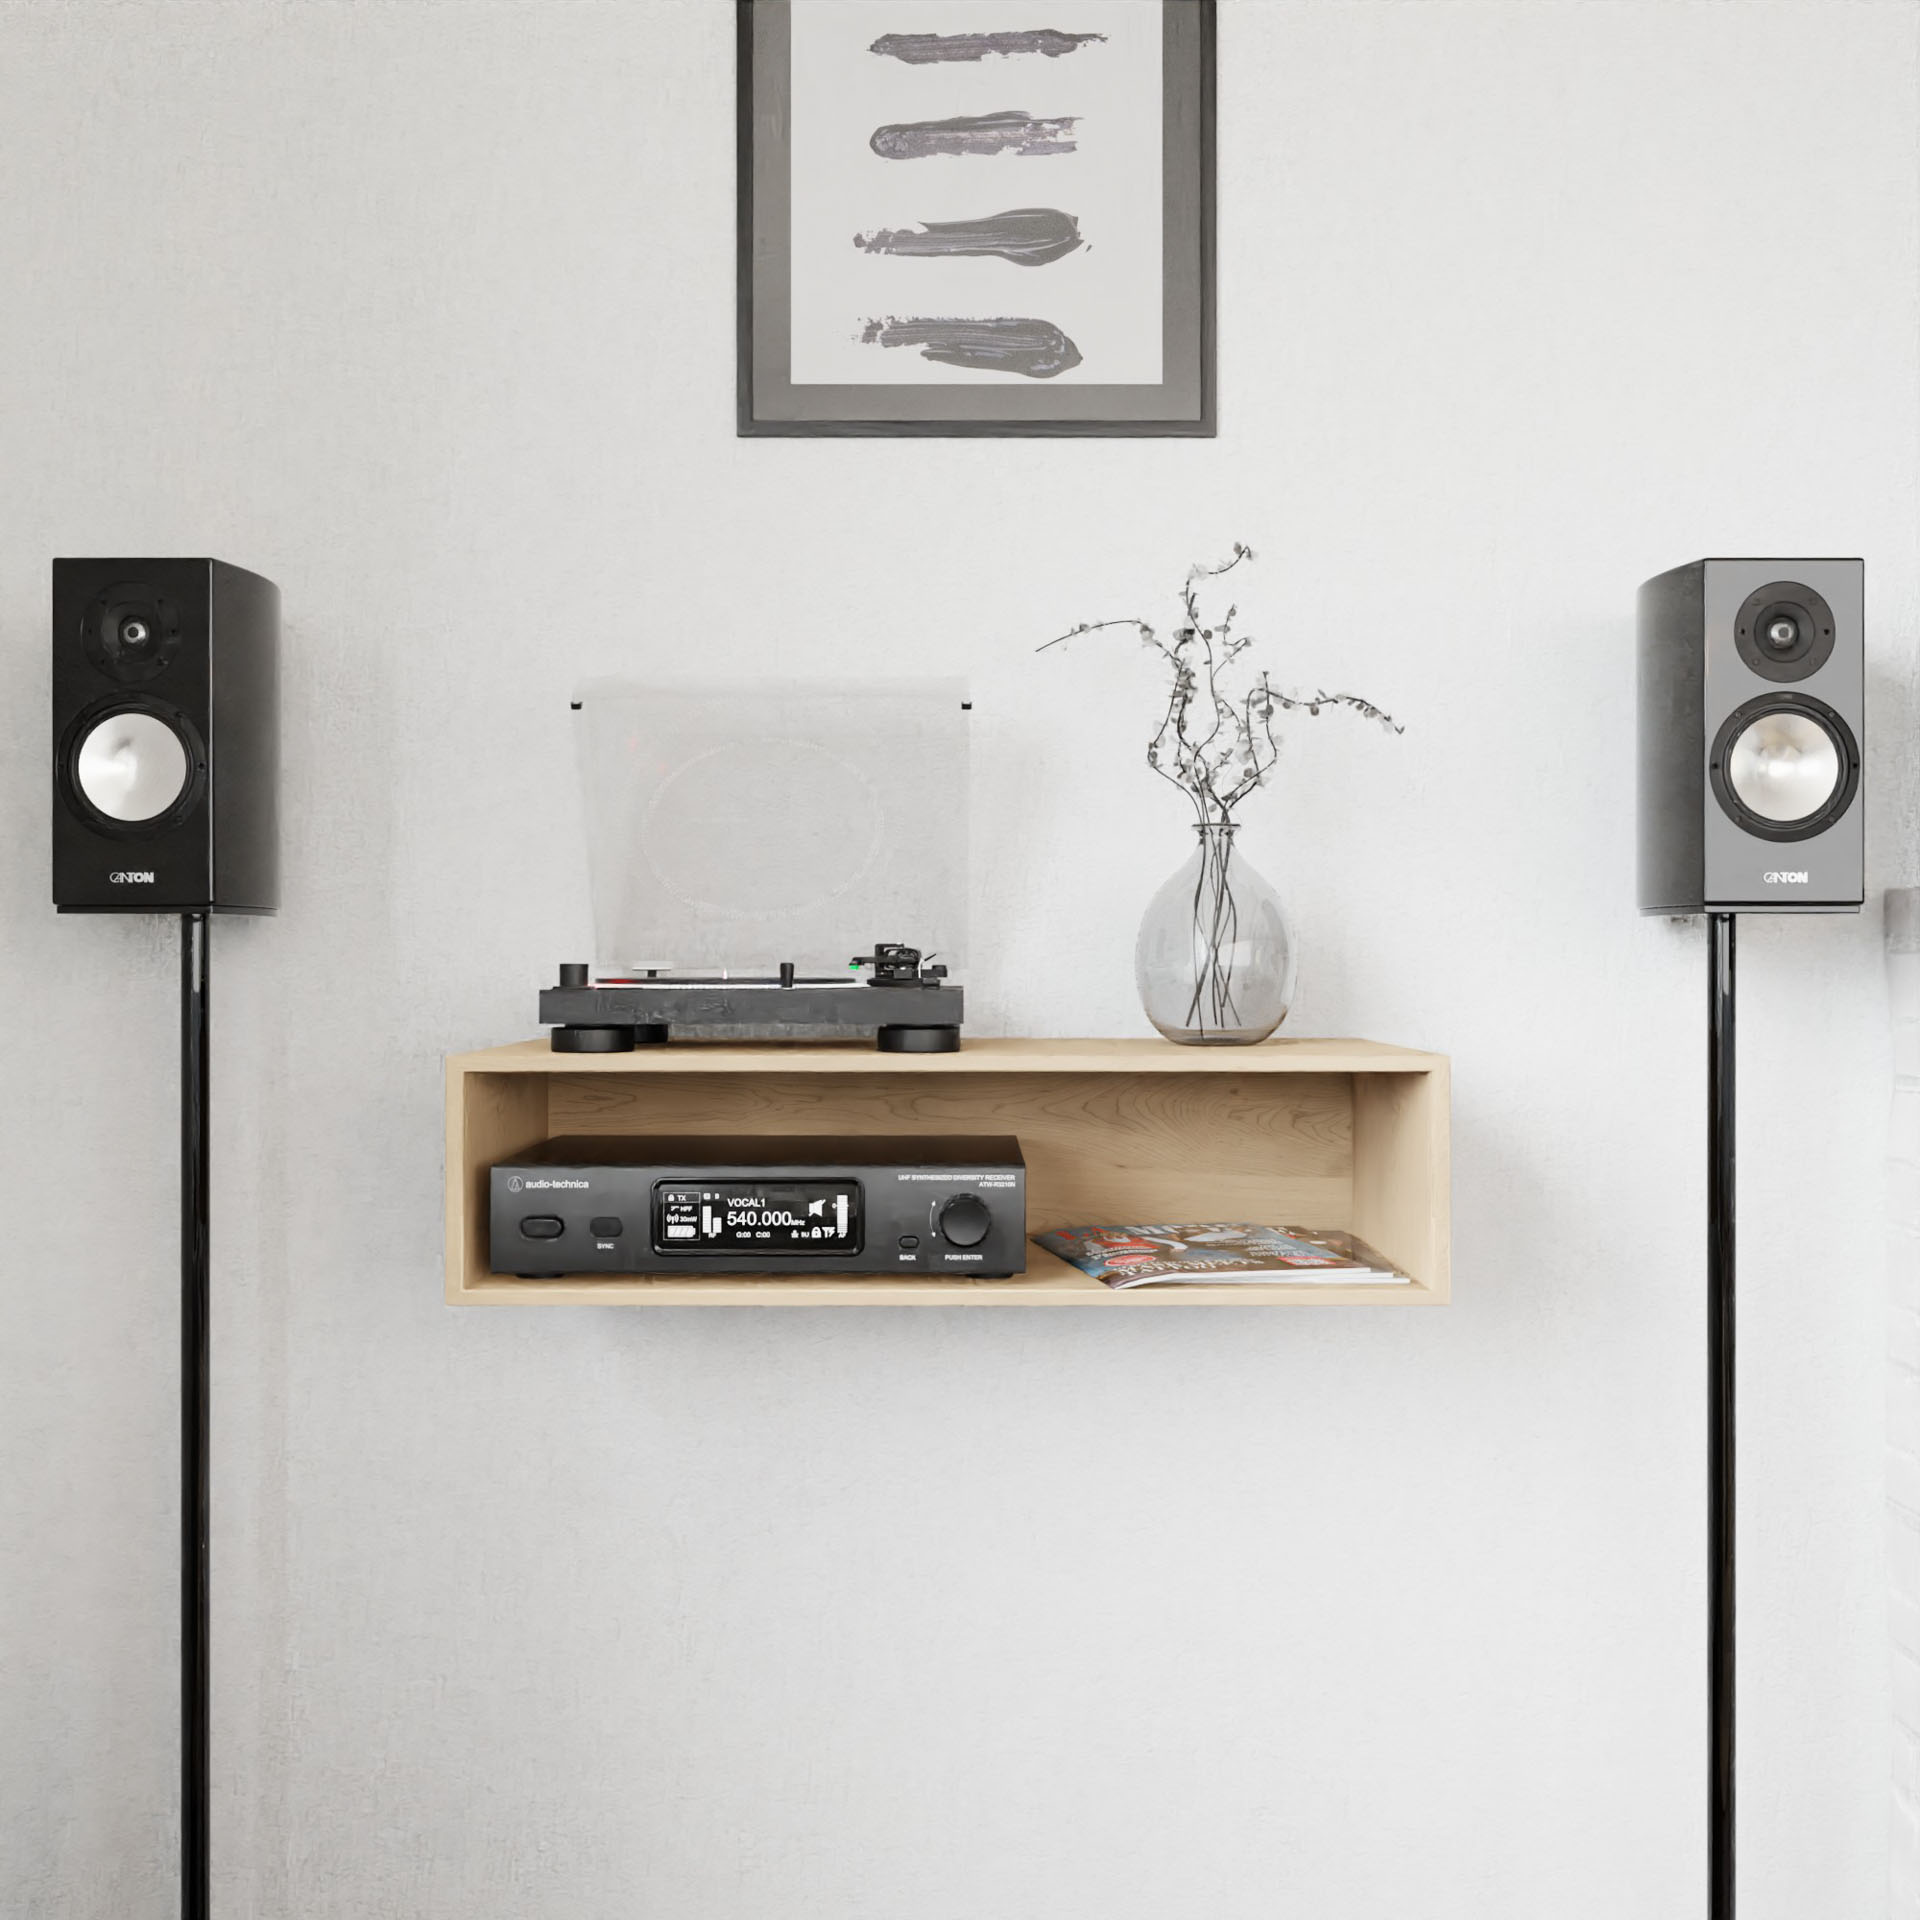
(1215, 959)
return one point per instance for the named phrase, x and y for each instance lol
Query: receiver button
(606, 1226)
(543, 1226)
(965, 1221)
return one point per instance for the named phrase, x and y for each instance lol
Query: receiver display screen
(757, 1216)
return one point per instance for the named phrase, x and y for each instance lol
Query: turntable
(907, 1004)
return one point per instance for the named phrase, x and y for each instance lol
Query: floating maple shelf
(1318, 1133)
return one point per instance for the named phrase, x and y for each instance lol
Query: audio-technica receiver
(797, 1204)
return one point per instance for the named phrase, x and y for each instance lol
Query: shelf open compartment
(1319, 1133)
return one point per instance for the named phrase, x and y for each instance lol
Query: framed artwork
(954, 223)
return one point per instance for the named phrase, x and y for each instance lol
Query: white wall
(426, 311)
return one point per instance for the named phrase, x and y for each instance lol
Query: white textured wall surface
(426, 311)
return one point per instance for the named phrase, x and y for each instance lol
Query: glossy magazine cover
(1214, 1253)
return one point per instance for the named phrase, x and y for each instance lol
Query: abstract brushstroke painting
(1034, 349)
(1028, 236)
(924, 49)
(913, 130)
(984, 134)
(878, 282)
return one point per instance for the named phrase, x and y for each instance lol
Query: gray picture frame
(1181, 405)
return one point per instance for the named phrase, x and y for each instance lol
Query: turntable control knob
(573, 973)
(965, 1221)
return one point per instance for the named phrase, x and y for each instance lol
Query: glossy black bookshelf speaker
(165, 738)
(1752, 727)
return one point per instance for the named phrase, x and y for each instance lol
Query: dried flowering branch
(1213, 743)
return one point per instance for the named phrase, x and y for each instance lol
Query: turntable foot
(593, 1039)
(918, 1039)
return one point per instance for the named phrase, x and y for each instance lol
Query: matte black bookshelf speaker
(1752, 725)
(165, 738)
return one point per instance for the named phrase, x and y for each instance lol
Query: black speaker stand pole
(195, 1160)
(1720, 1403)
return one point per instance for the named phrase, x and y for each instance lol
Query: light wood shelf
(1323, 1133)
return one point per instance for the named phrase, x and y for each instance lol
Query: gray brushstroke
(1035, 348)
(1028, 236)
(923, 49)
(983, 133)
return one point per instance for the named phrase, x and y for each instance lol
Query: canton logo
(131, 879)
(1785, 879)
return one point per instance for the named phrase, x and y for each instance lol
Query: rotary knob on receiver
(965, 1221)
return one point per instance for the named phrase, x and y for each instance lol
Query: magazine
(1218, 1253)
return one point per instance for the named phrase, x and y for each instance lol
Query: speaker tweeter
(1784, 631)
(131, 632)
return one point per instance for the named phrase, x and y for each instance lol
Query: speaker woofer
(132, 767)
(1785, 766)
